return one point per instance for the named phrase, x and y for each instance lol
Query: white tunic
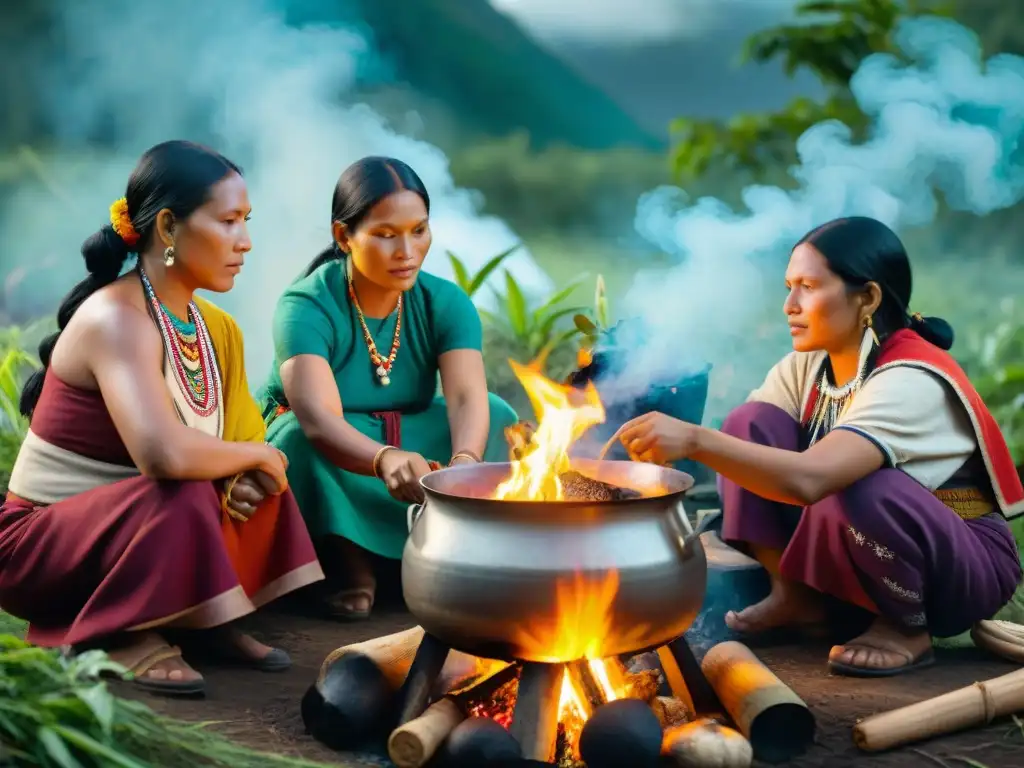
(912, 415)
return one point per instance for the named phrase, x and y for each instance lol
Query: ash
(579, 487)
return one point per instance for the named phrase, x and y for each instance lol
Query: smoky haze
(233, 74)
(948, 124)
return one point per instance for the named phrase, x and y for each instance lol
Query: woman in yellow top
(144, 499)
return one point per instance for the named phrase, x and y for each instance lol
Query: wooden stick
(535, 718)
(775, 720)
(413, 744)
(700, 697)
(423, 674)
(973, 705)
(393, 655)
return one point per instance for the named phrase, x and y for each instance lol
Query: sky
(636, 21)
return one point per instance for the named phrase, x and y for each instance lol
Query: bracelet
(377, 458)
(465, 455)
(226, 497)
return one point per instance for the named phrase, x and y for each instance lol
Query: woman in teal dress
(352, 401)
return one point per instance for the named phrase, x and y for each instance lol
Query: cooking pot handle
(412, 514)
(683, 519)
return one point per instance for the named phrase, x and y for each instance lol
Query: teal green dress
(315, 317)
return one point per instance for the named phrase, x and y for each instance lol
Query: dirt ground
(262, 710)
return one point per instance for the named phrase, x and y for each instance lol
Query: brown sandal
(339, 604)
(141, 658)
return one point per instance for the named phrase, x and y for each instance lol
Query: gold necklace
(382, 365)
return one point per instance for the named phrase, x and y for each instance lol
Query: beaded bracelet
(226, 498)
(377, 458)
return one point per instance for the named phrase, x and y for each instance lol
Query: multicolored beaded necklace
(382, 365)
(190, 350)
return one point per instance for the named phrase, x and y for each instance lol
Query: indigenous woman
(866, 467)
(144, 499)
(359, 342)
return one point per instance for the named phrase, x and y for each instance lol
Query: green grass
(9, 625)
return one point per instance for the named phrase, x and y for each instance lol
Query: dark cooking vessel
(495, 578)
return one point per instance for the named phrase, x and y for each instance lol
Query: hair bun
(934, 330)
(105, 253)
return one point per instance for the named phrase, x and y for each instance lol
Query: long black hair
(361, 186)
(176, 175)
(861, 250)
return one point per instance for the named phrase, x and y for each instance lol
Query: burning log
(579, 487)
(535, 718)
(622, 732)
(518, 437)
(413, 744)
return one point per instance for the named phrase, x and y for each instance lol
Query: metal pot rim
(680, 481)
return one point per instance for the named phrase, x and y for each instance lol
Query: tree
(830, 38)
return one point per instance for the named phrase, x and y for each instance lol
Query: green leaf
(88, 744)
(516, 305)
(486, 270)
(549, 322)
(554, 300)
(100, 702)
(459, 270)
(55, 748)
(585, 324)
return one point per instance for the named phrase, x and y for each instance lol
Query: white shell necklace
(833, 401)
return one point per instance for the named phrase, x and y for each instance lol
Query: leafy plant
(473, 283)
(591, 329)
(830, 38)
(535, 331)
(998, 373)
(55, 712)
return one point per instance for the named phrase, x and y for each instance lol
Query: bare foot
(788, 605)
(885, 649)
(352, 567)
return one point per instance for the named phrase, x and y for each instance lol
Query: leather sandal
(910, 664)
(141, 658)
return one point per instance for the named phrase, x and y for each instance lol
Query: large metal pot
(495, 578)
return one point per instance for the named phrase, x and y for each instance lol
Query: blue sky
(630, 21)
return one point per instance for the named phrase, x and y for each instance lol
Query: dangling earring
(169, 256)
(868, 343)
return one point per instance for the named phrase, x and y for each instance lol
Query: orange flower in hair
(122, 222)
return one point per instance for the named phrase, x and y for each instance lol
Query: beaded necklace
(190, 351)
(382, 365)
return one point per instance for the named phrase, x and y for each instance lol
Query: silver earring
(169, 256)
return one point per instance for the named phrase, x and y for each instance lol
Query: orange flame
(583, 614)
(563, 414)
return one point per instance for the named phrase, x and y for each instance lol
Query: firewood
(413, 744)
(356, 687)
(535, 717)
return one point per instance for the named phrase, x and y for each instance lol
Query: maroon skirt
(143, 553)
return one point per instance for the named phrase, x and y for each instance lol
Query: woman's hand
(248, 493)
(658, 439)
(401, 472)
(273, 465)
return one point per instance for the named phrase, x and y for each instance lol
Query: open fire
(541, 470)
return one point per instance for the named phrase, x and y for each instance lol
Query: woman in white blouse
(865, 468)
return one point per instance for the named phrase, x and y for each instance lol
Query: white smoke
(947, 123)
(273, 97)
